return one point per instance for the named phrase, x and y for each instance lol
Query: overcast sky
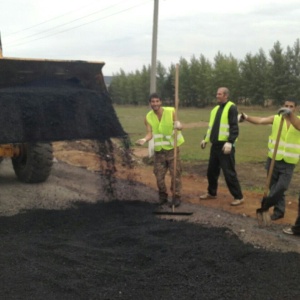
(119, 32)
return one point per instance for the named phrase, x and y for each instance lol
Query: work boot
(207, 196)
(296, 229)
(175, 201)
(276, 216)
(291, 230)
(163, 198)
(288, 230)
(237, 202)
(163, 201)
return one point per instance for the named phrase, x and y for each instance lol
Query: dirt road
(80, 236)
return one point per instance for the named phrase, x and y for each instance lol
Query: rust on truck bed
(54, 100)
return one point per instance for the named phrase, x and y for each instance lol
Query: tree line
(252, 81)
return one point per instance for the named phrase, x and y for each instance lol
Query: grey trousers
(280, 181)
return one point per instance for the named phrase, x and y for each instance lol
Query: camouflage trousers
(164, 162)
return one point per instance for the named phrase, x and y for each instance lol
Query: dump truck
(43, 101)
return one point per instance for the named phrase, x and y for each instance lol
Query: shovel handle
(175, 130)
(270, 171)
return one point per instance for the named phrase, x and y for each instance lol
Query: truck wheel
(35, 162)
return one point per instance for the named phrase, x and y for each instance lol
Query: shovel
(262, 215)
(173, 212)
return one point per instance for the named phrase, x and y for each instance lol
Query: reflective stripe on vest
(224, 125)
(162, 130)
(289, 143)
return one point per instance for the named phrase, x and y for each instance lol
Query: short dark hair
(291, 99)
(154, 95)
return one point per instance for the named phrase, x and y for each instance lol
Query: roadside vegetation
(258, 79)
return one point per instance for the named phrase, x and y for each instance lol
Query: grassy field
(251, 145)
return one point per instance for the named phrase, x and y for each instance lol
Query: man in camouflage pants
(160, 126)
(164, 161)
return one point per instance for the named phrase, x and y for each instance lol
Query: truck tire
(35, 162)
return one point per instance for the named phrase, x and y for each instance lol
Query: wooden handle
(176, 90)
(175, 130)
(270, 171)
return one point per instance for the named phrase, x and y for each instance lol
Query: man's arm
(233, 124)
(148, 135)
(295, 121)
(291, 116)
(176, 124)
(259, 120)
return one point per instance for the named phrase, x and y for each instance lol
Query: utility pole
(1, 53)
(154, 48)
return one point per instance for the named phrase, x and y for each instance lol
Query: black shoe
(291, 230)
(296, 229)
(176, 202)
(261, 210)
(275, 217)
(162, 202)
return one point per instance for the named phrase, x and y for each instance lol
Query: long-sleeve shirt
(233, 125)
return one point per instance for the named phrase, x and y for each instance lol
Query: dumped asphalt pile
(120, 250)
(46, 111)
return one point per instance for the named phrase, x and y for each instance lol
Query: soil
(89, 232)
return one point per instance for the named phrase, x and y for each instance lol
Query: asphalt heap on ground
(120, 250)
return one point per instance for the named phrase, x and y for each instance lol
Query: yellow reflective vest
(289, 143)
(224, 125)
(163, 132)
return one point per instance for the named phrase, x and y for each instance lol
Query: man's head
(155, 101)
(222, 95)
(290, 103)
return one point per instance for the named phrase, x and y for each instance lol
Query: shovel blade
(175, 213)
(263, 217)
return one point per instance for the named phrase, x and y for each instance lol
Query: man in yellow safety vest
(222, 133)
(291, 116)
(287, 157)
(160, 124)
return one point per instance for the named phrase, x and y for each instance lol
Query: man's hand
(227, 148)
(203, 144)
(140, 142)
(177, 125)
(242, 117)
(284, 111)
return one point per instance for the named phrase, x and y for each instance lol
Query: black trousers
(226, 162)
(280, 181)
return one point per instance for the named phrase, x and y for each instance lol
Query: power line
(49, 20)
(74, 27)
(64, 24)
